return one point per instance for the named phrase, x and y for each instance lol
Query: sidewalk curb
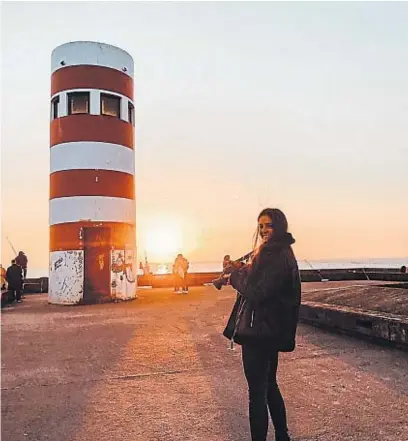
(380, 327)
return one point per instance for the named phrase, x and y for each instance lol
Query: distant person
(226, 261)
(265, 318)
(22, 260)
(14, 277)
(403, 269)
(177, 275)
(180, 272)
(186, 266)
(147, 268)
(3, 277)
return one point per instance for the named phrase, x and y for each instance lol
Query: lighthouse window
(110, 105)
(131, 113)
(78, 102)
(54, 107)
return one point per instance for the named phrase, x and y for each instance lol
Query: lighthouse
(92, 212)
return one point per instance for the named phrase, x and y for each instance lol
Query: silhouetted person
(180, 269)
(22, 260)
(14, 277)
(403, 269)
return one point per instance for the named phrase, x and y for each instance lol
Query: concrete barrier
(388, 276)
(32, 286)
(198, 279)
(381, 274)
(167, 280)
(377, 326)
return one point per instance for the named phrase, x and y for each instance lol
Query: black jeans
(15, 293)
(260, 366)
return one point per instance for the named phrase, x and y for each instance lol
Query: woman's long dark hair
(279, 225)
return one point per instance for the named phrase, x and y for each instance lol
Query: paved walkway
(158, 369)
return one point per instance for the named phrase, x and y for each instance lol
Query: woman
(265, 318)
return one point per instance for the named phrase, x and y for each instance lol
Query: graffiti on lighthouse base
(66, 283)
(123, 276)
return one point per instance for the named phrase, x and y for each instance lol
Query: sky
(239, 106)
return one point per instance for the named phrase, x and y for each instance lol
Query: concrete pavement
(158, 369)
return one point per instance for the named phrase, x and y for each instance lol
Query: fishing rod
(8, 240)
(322, 279)
(366, 275)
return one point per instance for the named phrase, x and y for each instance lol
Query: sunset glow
(281, 111)
(163, 242)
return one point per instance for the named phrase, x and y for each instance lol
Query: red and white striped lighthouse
(92, 175)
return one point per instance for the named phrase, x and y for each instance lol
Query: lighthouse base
(74, 277)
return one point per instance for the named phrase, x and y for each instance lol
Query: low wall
(167, 280)
(199, 279)
(36, 285)
(381, 327)
(388, 276)
(382, 274)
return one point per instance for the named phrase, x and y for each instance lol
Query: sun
(163, 242)
(164, 235)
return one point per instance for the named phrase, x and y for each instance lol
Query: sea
(204, 267)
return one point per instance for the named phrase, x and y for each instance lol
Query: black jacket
(14, 276)
(270, 295)
(22, 260)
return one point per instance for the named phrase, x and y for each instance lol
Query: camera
(234, 265)
(221, 281)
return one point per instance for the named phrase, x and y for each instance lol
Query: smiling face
(265, 228)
